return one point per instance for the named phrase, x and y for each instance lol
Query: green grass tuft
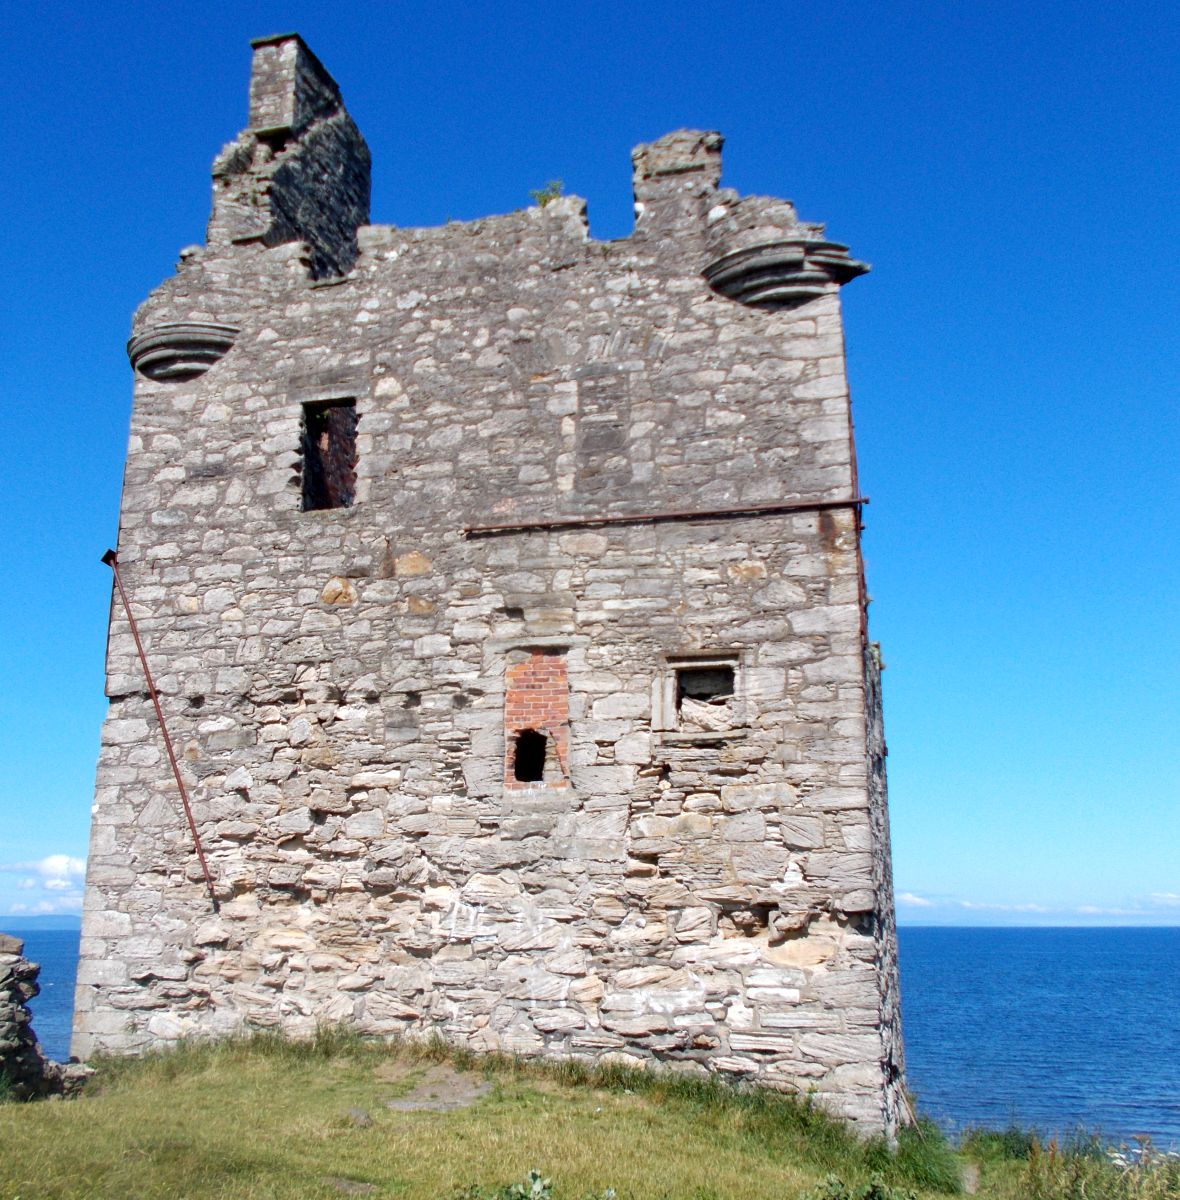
(925, 1159)
(1012, 1144)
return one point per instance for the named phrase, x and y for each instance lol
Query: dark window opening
(327, 448)
(706, 685)
(528, 760)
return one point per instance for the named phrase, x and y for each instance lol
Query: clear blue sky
(1010, 170)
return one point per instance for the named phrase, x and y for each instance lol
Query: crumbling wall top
(690, 152)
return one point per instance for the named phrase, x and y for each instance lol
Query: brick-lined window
(327, 452)
(536, 719)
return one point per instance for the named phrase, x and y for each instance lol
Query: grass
(1019, 1167)
(263, 1117)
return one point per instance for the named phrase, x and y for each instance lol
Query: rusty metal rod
(862, 595)
(112, 560)
(712, 514)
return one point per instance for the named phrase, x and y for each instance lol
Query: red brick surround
(536, 696)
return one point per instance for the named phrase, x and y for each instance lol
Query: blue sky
(1010, 171)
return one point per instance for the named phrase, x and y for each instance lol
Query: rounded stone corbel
(761, 255)
(783, 272)
(180, 350)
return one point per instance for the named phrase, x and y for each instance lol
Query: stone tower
(503, 589)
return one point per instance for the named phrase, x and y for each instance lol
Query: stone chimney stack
(300, 172)
(289, 87)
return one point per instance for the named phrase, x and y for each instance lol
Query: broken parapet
(25, 1072)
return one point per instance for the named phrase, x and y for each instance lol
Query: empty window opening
(528, 759)
(706, 685)
(700, 693)
(327, 448)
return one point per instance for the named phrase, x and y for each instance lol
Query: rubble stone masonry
(25, 1072)
(503, 590)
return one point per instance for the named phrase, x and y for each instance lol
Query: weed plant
(998, 1145)
(534, 1187)
(542, 196)
(1085, 1172)
(834, 1188)
(1018, 1166)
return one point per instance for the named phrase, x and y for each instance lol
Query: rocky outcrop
(25, 1072)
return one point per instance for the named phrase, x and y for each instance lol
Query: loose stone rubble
(25, 1072)
(504, 592)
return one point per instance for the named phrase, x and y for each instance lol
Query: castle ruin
(504, 593)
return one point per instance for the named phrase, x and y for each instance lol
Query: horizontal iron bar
(712, 514)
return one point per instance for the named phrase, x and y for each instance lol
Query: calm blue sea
(1061, 1029)
(57, 952)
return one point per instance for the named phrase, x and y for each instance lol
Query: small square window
(327, 451)
(698, 693)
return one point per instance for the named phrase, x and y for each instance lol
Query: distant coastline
(20, 922)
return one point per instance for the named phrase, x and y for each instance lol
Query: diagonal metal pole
(112, 560)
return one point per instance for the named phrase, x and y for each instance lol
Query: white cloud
(59, 875)
(912, 901)
(61, 866)
(52, 867)
(1166, 899)
(46, 908)
(977, 906)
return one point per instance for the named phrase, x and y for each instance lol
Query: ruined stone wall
(25, 1072)
(697, 871)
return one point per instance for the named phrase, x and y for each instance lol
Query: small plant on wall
(551, 191)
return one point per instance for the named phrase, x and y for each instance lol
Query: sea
(1066, 1031)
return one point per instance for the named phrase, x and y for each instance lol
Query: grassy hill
(267, 1118)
